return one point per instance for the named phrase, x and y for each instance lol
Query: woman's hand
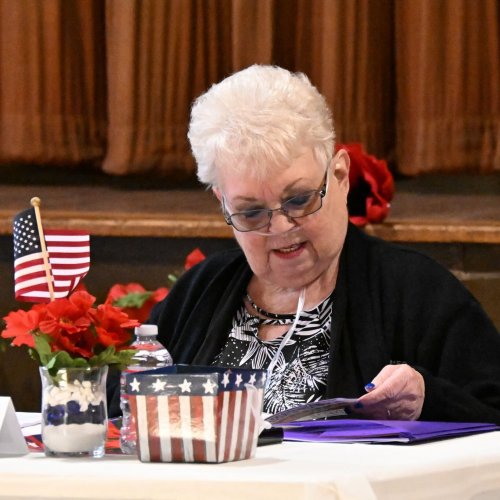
(396, 393)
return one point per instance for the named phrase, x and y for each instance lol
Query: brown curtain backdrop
(448, 81)
(160, 55)
(110, 82)
(346, 48)
(52, 81)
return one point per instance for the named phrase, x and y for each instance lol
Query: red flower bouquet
(371, 186)
(71, 332)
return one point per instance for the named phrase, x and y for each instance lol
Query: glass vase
(74, 412)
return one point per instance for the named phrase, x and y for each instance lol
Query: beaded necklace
(283, 318)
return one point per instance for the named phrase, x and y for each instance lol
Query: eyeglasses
(296, 207)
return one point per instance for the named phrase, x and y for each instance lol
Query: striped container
(196, 413)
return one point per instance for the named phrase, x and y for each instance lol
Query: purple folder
(378, 431)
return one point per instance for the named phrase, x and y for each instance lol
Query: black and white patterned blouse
(300, 374)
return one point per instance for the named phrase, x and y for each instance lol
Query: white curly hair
(257, 119)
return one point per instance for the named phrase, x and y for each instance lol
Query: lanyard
(300, 308)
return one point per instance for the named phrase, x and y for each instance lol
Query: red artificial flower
(111, 326)
(75, 345)
(118, 291)
(194, 258)
(371, 186)
(21, 325)
(68, 315)
(134, 300)
(68, 322)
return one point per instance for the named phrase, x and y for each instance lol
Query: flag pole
(35, 202)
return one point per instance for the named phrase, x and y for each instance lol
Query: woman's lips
(290, 251)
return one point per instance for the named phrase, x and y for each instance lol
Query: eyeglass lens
(296, 207)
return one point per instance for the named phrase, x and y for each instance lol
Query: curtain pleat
(448, 80)
(111, 82)
(346, 48)
(252, 33)
(161, 54)
(53, 89)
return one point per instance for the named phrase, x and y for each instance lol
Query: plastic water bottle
(150, 354)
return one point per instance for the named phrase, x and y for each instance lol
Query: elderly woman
(327, 310)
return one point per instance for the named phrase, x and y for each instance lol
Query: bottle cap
(146, 329)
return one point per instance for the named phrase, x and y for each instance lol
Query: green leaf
(62, 359)
(111, 357)
(43, 351)
(133, 299)
(54, 361)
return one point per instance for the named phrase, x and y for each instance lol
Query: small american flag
(68, 253)
(196, 417)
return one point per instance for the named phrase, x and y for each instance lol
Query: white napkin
(12, 441)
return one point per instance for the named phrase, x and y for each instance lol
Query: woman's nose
(281, 222)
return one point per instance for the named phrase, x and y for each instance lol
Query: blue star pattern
(194, 381)
(25, 232)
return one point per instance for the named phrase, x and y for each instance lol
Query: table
(460, 468)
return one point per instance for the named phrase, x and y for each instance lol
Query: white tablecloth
(460, 468)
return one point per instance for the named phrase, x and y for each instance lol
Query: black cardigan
(391, 304)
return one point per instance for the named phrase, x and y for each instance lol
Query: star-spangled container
(196, 413)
